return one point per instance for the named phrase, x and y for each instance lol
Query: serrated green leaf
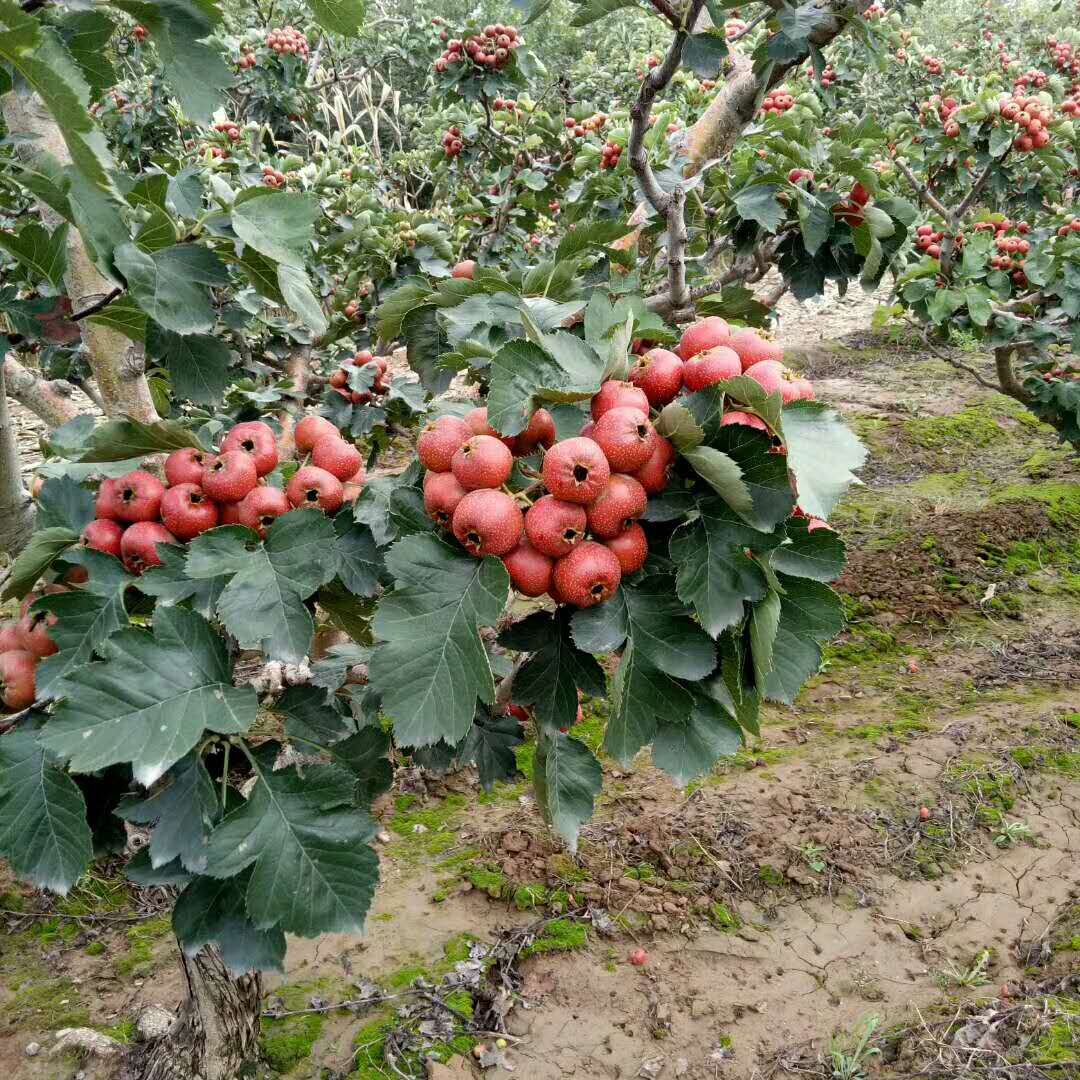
(424, 344)
(340, 16)
(810, 613)
(313, 871)
(119, 440)
(705, 53)
(764, 620)
(43, 254)
(262, 606)
(822, 454)
(212, 912)
(295, 287)
(566, 778)
(690, 748)
(722, 474)
(183, 808)
(198, 364)
(759, 203)
(151, 700)
(194, 70)
(170, 584)
(169, 285)
(818, 555)
(44, 548)
(44, 835)
(555, 671)
(676, 422)
(589, 234)
(650, 615)
(430, 665)
(360, 562)
(63, 503)
(713, 571)
(86, 34)
(278, 225)
(592, 10)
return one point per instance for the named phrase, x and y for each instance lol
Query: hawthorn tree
(218, 268)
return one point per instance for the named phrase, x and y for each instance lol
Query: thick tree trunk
(216, 1031)
(49, 400)
(118, 362)
(16, 506)
(715, 133)
(1003, 362)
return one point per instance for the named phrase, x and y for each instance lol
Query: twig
(97, 305)
(924, 193)
(958, 364)
(79, 918)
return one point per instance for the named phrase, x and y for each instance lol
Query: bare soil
(899, 849)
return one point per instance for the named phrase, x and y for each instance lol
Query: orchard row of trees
(218, 220)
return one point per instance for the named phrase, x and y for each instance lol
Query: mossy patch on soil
(142, 941)
(559, 936)
(425, 831)
(975, 426)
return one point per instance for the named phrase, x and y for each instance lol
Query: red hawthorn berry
(337, 457)
(138, 496)
(33, 630)
(576, 470)
(659, 373)
(589, 575)
(17, 689)
(712, 366)
(188, 511)
(554, 526)
(617, 506)
(631, 548)
(138, 546)
(310, 430)
(530, 572)
(442, 493)
(488, 522)
(103, 534)
(232, 475)
(315, 488)
(482, 462)
(706, 334)
(257, 439)
(260, 508)
(186, 466)
(615, 394)
(441, 439)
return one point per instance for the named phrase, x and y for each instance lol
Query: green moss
(369, 1043)
(123, 1032)
(458, 949)
(975, 426)
(493, 882)
(528, 897)
(142, 939)
(723, 918)
(770, 876)
(1059, 1044)
(46, 1004)
(1045, 462)
(95, 948)
(425, 831)
(54, 932)
(1073, 720)
(96, 896)
(287, 1042)
(1061, 500)
(1048, 758)
(559, 935)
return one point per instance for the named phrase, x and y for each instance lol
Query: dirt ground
(886, 884)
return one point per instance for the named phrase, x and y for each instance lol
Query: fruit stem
(225, 777)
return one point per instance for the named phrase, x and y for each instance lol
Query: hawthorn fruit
(616, 507)
(257, 439)
(589, 575)
(615, 394)
(188, 511)
(138, 546)
(554, 527)
(706, 334)
(442, 438)
(315, 488)
(488, 522)
(137, 497)
(232, 475)
(659, 373)
(103, 534)
(712, 366)
(530, 570)
(260, 508)
(576, 470)
(624, 434)
(17, 690)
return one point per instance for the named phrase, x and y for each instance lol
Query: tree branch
(49, 401)
(926, 197)
(16, 506)
(941, 355)
(1003, 358)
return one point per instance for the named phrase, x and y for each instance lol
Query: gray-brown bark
(216, 1030)
(16, 506)
(50, 400)
(117, 362)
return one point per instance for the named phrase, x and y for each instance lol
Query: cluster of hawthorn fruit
(23, 643)
(288, 41)
(573, 533)
(230, 129)
(491, 48)
(377, 365)
(272, 177)
(933, 65)
(580, 128)
(610, 154)
(777, 101)
(1032, 118)
(247, 59)
(138, 511)
(1065, 55)
(946, 108)
(1070, 226)
(452, 142)
(928, 240)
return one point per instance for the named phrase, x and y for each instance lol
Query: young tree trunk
(49, 400)
(1003, 362)
(297, 368)
(216, 1031)
(118, 362)
(16, 506)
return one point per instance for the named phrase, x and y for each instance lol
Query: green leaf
(490, 746)
(150, 702)
(119, 440)
(212, 912)
(424, 344)
(44, 548)
(63, 503)
(169, 583)
(641, 697)
(690, 748)
(35, 52)
(86, 619)
(43, 254)
(360, 561)
(764, 473)
(124, 316)
(978, 299)
(676, 422)
(158, 232)
(818, 555)
(764, 620)
(555, 671)
(523, 371)
(661, 629)
(822, 454)
(705, 53)
(810, 613)
(759, 203)
(1001, 139)
(263, 604)
(372, 508)
(86, 34)
(431, 664)
(198, 364)
(589, 234)
(714, 573)
(722, 474)
(262, 273)
(566, 778)
(339, 16)
(278, 225)
(816, 222)
(183, 809)
(313, 871)
(194, 70)
(44, 835)
(880, 224)
(168, 284)
(592, 10)
(295, 286)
